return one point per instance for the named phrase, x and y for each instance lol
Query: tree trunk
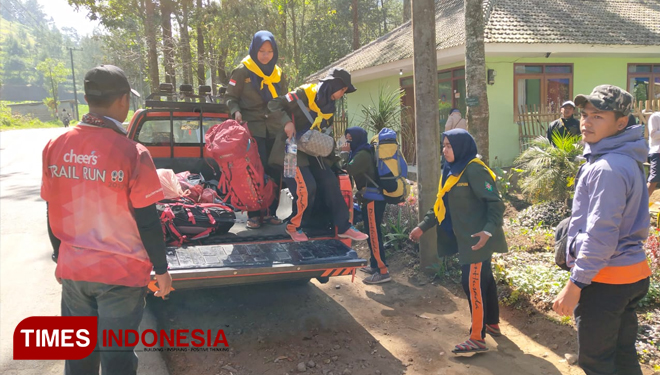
(152, 53)
(168, 42)
(222, 73)
(406, 10)
(212, 63)
(427, 134)
(294, 30)
(284, 50)
(475, 75)
(186, 55)
(382, 3)
(356, 26)
(201, 75)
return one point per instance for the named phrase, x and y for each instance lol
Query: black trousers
(372, 215)
(311, 183)
(607, 328)
(117, 307)
(481, 290)
(265, 146)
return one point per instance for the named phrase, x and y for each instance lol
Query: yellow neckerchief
(439, 207)
(311, 90)
(274, 77)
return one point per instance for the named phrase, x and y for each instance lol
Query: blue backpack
(391, 166)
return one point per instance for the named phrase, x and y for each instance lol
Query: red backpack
(243, 180)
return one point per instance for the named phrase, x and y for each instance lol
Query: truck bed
(267, 254)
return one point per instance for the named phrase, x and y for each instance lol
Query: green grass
(10, 122)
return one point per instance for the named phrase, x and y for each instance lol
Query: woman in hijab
(252, 85)
(468, 216)
(314, 176)
(360, 165)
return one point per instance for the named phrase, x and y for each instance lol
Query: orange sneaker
(354, 235)
(297, 235)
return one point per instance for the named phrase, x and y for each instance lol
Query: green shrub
(385, 112)
(548, 172)
(534, 276)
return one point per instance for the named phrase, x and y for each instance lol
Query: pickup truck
(173, 131)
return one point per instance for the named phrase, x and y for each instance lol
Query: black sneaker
(377, 278)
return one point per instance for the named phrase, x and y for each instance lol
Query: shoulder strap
(303, 108)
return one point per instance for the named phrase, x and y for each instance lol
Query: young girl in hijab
(468, 216)
(252, 85)
(361, 166)
(314, 176)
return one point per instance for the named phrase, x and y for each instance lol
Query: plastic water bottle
(290, 158)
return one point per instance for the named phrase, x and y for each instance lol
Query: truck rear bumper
(209, 266)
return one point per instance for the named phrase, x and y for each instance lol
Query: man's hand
(416, 234)
(164, 285)
(483, 238)
(567, 299)
(59, 280)
(238, 116)
(290, 129)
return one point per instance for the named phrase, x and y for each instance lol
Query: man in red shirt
(101, 190)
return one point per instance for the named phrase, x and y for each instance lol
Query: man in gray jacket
(610, 219)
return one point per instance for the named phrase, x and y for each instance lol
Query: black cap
(343, 75)
(106, 80)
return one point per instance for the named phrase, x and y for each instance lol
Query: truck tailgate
(246, 263)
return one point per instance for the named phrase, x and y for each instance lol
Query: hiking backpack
(391, 167)
(243, 181)
(184, 220)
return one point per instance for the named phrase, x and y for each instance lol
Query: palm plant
(548, 172)
(385, 112)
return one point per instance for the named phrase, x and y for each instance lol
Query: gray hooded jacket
(610, 216)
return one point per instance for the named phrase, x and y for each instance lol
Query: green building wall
(588, 72)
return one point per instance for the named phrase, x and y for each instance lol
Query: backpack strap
(304, 109)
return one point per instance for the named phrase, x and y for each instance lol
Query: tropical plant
(548, 172)
(385, 112)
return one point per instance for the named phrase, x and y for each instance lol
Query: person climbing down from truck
(314, 175)
(361, 166)
(254, 82)
(468, 216)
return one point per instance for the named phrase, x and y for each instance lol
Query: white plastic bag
(170, 183)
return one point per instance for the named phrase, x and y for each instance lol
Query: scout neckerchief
(274, 77)
(439, 207)
(311, 90)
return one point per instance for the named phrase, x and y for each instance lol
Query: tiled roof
(601, 22)
(605, 22)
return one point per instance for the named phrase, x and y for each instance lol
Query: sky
(65, 15)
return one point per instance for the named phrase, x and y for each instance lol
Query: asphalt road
(27, 281)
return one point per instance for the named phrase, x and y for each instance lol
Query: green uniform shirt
(243, 97)
(360, 167)
(474, 205)
(282, 110)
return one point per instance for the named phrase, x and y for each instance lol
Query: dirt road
(351, 328)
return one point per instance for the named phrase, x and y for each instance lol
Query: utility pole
(425, 72)
(73, 74)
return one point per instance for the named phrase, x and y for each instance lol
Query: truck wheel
(323, 279)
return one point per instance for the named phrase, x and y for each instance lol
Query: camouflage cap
(608, 98)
